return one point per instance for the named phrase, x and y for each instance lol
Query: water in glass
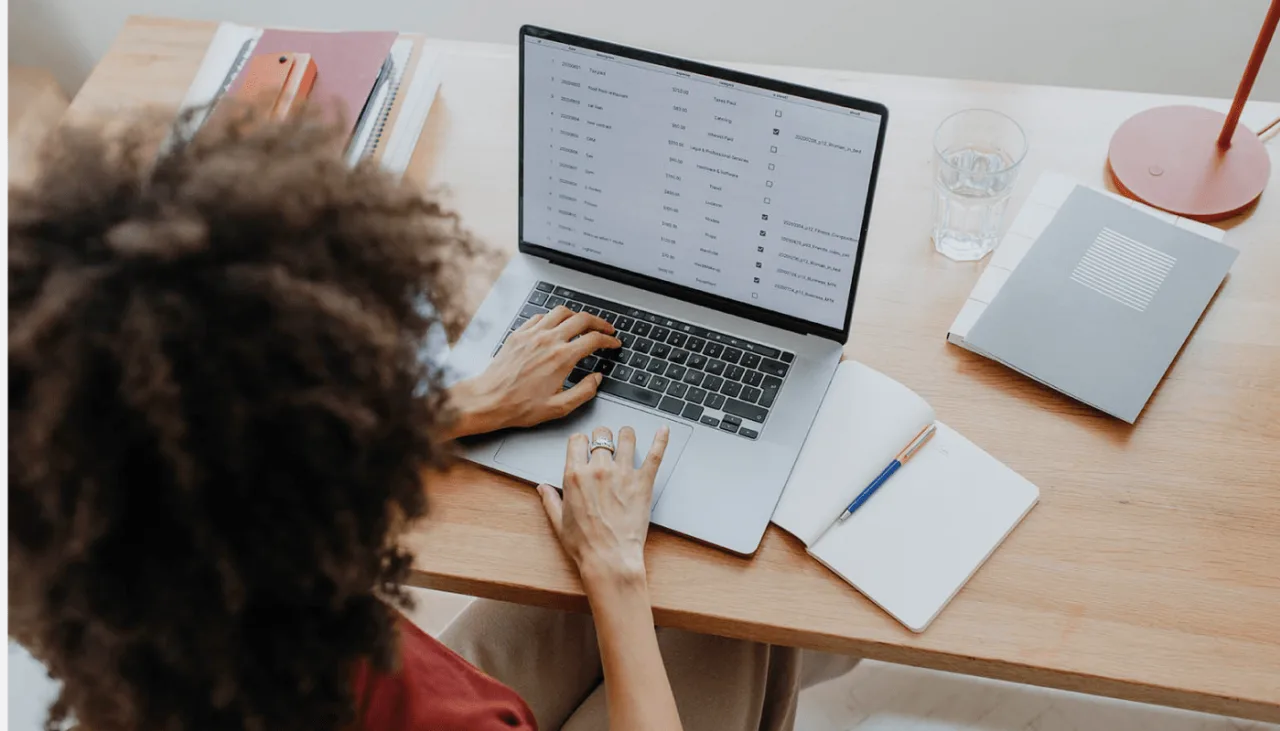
(971, 192)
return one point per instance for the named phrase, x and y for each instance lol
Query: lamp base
(1168, 158)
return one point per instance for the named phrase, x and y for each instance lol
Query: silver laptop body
(718, 220)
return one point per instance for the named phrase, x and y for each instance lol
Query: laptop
(717, 220)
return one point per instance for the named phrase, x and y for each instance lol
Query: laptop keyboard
(685, 370)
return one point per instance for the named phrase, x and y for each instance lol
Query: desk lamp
(1192, 161)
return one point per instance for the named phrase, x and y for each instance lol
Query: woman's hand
(604, 516)
(524, 384)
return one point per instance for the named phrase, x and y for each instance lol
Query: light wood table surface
(1151, 568)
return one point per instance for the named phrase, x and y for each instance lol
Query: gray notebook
(1101, 301)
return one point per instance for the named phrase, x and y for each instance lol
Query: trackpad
(539, 454)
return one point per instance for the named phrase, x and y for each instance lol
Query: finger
(555, 317)
(659, 447)
(601, 432)
(626, 447)
(554, 506)
(581, 323)
(577, 450)
(528, 324)
(565, 402)
(591, 342)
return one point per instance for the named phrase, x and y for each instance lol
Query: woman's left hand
(524, 384)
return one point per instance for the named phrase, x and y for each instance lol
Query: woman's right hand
(603, 518)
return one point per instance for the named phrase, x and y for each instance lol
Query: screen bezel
(679, 291)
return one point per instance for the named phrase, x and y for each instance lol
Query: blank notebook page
(916, 542)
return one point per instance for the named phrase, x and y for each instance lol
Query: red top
(434, 689)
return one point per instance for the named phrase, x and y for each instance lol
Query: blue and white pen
(903, 457)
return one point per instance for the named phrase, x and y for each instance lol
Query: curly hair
(218, 420)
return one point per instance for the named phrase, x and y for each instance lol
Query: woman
(219, 420)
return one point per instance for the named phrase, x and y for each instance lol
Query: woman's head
(214, 434)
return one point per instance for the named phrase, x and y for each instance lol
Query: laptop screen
(727, 188)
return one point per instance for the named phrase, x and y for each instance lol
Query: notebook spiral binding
(384, 116)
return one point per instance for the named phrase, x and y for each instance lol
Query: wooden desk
(1151, 568)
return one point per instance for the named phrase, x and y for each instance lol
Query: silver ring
(602, 443)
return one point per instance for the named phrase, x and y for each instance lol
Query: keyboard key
(544, 287)
(640, 378)
(735, 372)
(695, 345)
(531, 310)
(606, 367)
(642, 329)
(697, 360)
(592, 311)
(748, 433)
(628, 340)
(622, 373)
(677, 340)
(745, 410)
(661, 349)
(731, 419)
(774, 368)
(693, 378)
(609, 317)
(693, 412)
(712, 383)
(538, 298)
(520, 321)
(731, 389)
(715, 401)
(753, 378)
(675, 372)
(659, 384)
(732, 355)
(589, 363)
(624, 323)
(714, 350)
(657, 366)
(726, 426)
(554, 302)
(710, 421)
(660, 334)
(679, 356)
(677, 389)
(770, 388)
(751, 395)
(642, 345)
(638, 360)
(788, 357)
(566, 293)
(630, 392)
(715, 367)
(695, 396)
(750, 360)
(577, 375)
(575, 306)
(671, 405)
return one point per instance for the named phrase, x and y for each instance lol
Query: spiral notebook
(385, 83)
(919, 538)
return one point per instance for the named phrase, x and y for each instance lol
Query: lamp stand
(1195, 162)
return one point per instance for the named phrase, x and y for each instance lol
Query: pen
(906, 454)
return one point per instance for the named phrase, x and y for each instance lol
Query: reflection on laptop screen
(730, 189)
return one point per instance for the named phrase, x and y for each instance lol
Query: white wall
(1180, 46)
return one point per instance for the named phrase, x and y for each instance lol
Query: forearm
(476, 410)
(636, 685)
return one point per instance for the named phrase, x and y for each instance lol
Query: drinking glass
(977, 154)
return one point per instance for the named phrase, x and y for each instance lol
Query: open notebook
(920, 537)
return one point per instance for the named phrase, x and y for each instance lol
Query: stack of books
(381, 85)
